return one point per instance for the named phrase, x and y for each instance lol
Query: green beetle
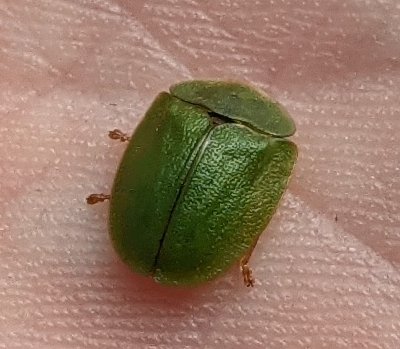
(199, 181)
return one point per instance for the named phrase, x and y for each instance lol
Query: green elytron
(199, 181)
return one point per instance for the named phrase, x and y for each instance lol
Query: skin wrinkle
(320, 283)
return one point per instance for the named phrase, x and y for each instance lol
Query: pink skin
(70, 71)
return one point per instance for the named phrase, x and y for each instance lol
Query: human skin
(327, 267)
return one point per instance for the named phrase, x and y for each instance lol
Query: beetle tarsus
(247, 274)
(96, 198)
(118, 135)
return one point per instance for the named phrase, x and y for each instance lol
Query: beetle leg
(118, 135)
(95, 198)
(244, 266)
